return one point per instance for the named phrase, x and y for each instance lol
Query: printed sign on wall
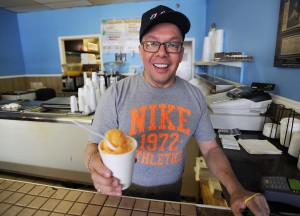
(120, 35)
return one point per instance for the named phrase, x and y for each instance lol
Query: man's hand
(101, 176)
(255, 202)
(240, 198)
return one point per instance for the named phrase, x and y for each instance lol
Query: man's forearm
(220, 167)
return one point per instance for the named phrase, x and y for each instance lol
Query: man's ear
(182, 53)
(140, 51)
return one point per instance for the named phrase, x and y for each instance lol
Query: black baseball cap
(163, 14)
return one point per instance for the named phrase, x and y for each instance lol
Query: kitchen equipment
(19, 95)
(112, 71)
(58, 106)
(72, 69)
(57, 103)
(113, 67)
(44, 94)
(72, 78)
(72, 83)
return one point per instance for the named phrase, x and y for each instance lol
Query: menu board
(120, 35)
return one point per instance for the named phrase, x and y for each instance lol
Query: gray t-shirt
(161, 120)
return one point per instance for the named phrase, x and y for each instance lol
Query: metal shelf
(238, 64)
(210, 63)
(76, 52)
(215, 63)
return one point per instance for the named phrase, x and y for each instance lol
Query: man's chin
(164, 83)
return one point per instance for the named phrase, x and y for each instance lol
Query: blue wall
(11, 59)
(29, 41)
(39, 30)
(251, 27)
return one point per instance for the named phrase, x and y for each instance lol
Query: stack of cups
(73, 104)
(95, 77)
(271, 130)
(298, 165)
(81, 99)
(206, 55)
(294, 148)
(287, 127)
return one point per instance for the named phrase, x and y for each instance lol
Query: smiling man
(162, 111)
(161, 59)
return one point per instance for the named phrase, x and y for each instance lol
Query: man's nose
(162, 50)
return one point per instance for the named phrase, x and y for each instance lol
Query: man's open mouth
(161, 65)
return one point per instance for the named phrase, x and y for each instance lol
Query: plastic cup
(121, 165)
(298, 165)
(294, 148)
(286, 130)
(73, 104)
(271, 130)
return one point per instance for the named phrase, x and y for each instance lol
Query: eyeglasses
(154, 46)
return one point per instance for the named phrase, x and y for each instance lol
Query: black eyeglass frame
(166, 45)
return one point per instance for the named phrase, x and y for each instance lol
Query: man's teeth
(161, 65)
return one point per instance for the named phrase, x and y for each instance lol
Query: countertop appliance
(112, 71)
(72, 83)
(55, 106)
(240, 107)
(57, 103)
(19, 95)
(242, 100)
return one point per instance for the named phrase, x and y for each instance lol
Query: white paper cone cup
(73, 104)
(94, 77)
(121, 165)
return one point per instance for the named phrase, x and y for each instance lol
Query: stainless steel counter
(34, 111)
(46, 145)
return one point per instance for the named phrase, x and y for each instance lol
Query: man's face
(160, 67)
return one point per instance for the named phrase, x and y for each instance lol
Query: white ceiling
(20, 6)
